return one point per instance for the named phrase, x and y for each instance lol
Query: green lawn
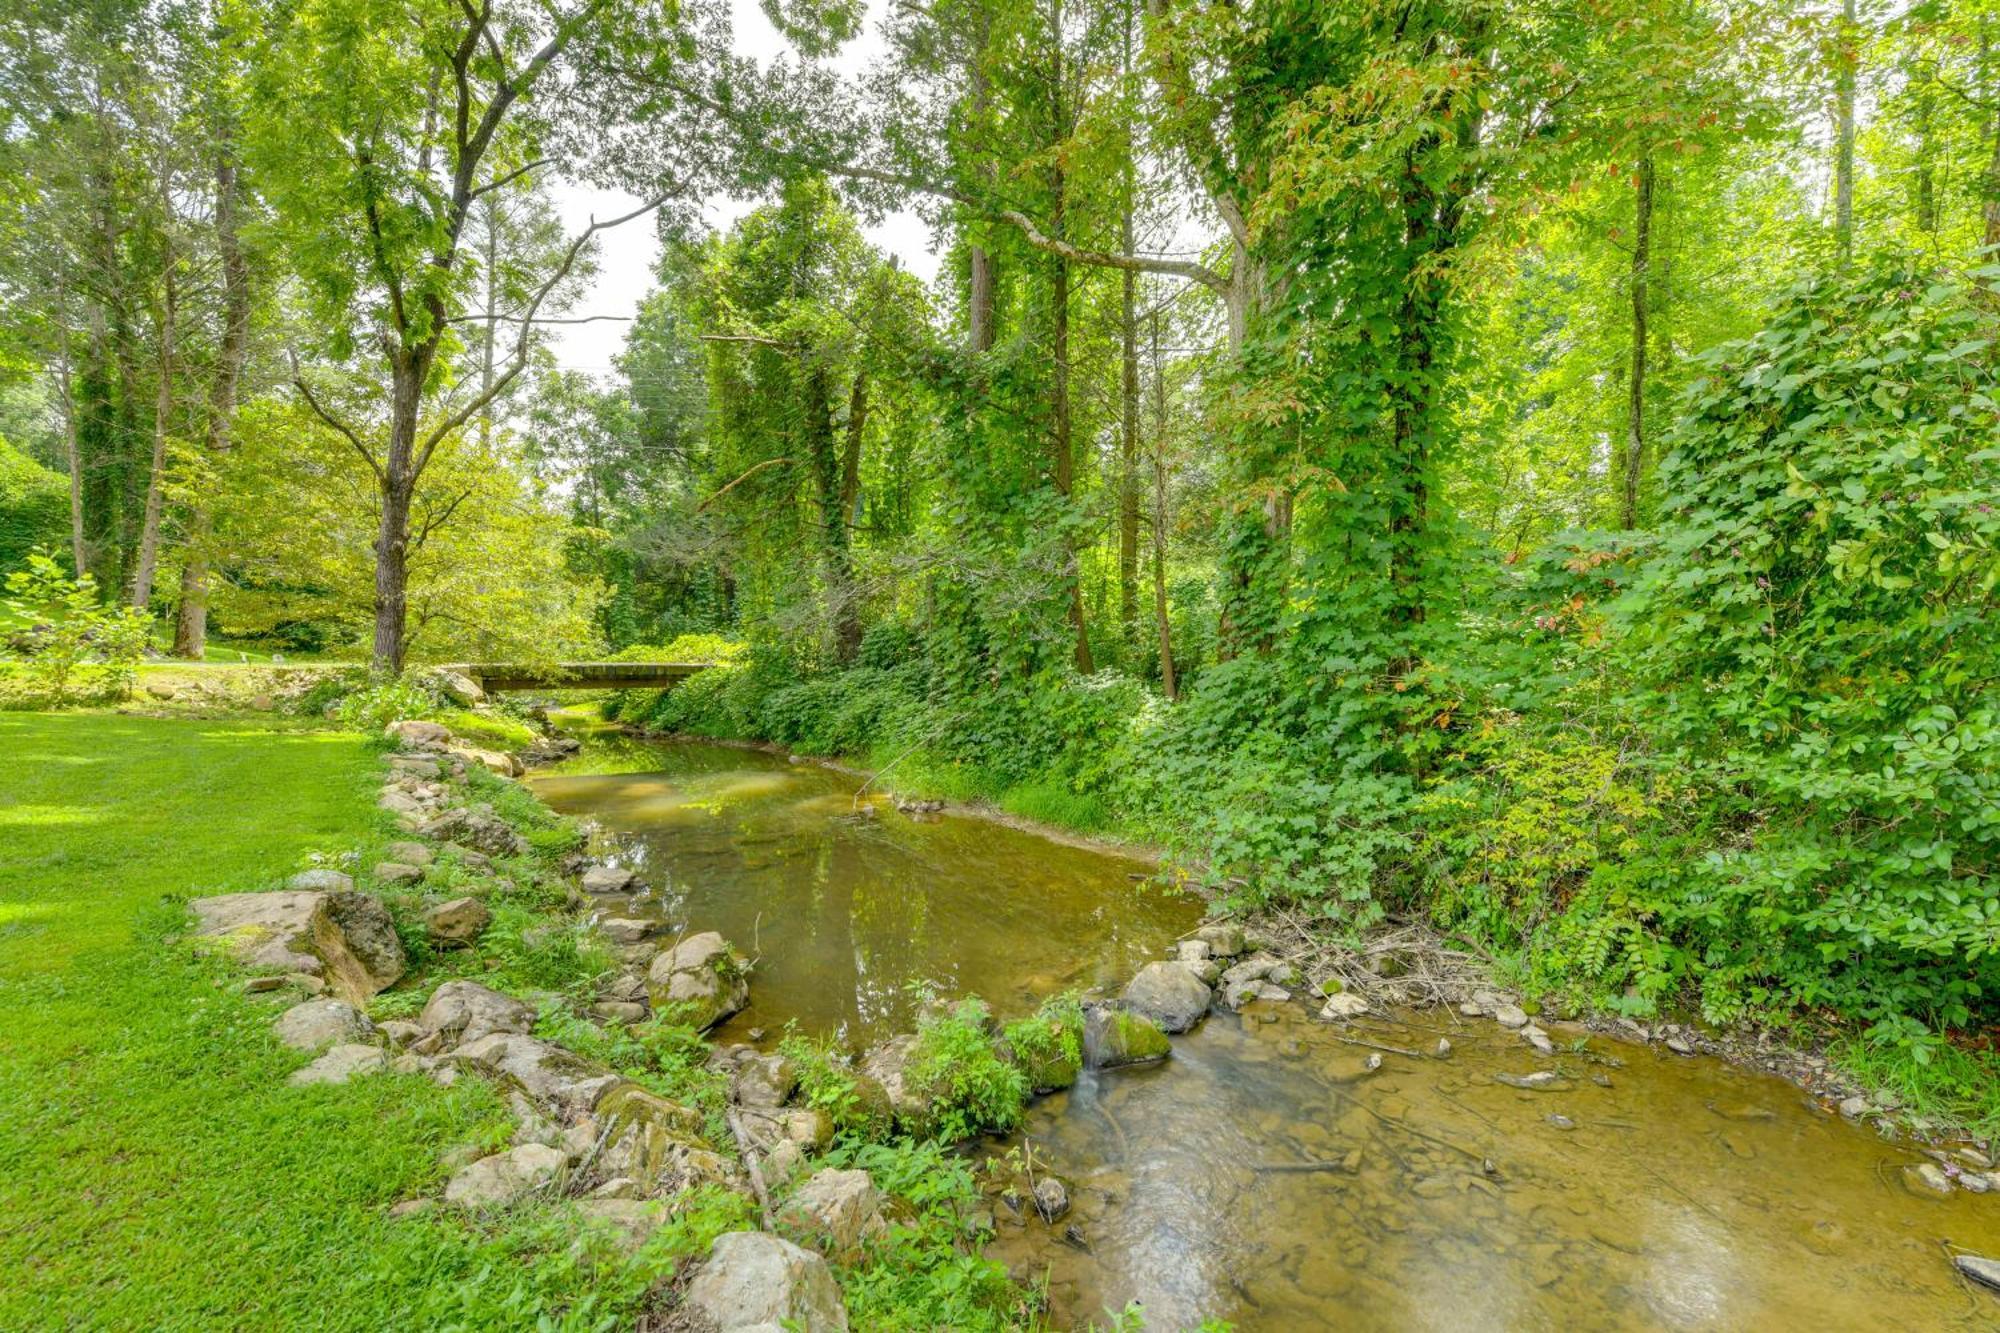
(155, 1170)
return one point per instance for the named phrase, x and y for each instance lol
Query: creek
(1265, 1174)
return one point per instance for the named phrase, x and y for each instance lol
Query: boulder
(1986, 1272)
(620, 1011)
(417, 735)
(505, 1176)
(493, 761)
(627, 930)
(630, 1222)
(754, 1280)
(1242, 993)
(699, 981)
(320, 880)
(456, 923)
(460, 688)
(320, 1023)
(1169, 994)
(801, 1126)
(479, 830)
(1193, 951)
(397, 872)
(762, 1080)
(345, 939)
(1510, 1016)
(559, 1082)
(411, 853)
(403, 805)
(837, 1213)
(1113, 1038)
(1223, 938)
(465, 1011)
(1344, 1004)
(655, 1142)
(1051, 1197)
(340, 1064)
(887, 1067)
(607, 879)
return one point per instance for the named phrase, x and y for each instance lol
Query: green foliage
(666, 1058)
(956, 1066)
(828, 1083)
(34, 507)
(376, 703)
(1048, 1044)
(1817, 646)
(921, 1277)
(73, 640)
(535, 953)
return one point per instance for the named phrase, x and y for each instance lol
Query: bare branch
(320, 411)
(509, 178)
(769, 462)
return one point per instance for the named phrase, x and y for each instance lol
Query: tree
(416, 121)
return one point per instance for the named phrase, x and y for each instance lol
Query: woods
(1528, 469)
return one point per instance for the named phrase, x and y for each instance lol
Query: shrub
(954, 1065)
(74, 640)
(1048, 1044)
(34, 506)
(827, 1082)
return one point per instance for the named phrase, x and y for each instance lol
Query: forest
(1525, 467)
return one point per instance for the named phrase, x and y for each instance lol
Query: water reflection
(1264, 1177)
(848, 907)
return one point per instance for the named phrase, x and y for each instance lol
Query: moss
(1139, 1038)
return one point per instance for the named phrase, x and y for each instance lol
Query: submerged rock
(317, 1023)
(1169, 994)
(346, 939)
(1540, 1079)
(754, 1280)
(700, 981)
(1051, 1198)
(837, 1212)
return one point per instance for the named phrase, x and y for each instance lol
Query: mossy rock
(1116, 1037)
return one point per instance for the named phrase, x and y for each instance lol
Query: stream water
(1265, 1174)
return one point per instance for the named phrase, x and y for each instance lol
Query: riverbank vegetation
(1526, 469)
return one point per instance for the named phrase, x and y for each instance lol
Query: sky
(626, 255)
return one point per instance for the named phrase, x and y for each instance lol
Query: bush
(1048, 1044)
(34, 507)
(954, 1065)
(74, 642)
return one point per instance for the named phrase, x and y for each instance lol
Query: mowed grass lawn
(156, 1172)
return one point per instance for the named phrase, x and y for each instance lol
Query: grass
(155, 1169)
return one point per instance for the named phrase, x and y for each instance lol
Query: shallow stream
(1265, 1174)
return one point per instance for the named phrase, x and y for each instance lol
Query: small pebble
(1562, 1122)
(1443, 1047)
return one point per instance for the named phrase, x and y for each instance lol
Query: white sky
(626, 255)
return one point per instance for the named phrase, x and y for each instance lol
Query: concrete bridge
(501, 676)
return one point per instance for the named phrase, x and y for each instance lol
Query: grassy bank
(155, 1169)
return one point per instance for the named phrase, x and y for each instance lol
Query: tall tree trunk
(850, 461)
(1164, 625)
(1635, 408)
(191, 623)
(148, 557)
(79, 551)
(1848, 56)
(491, 211)
(398, 487)
(1060, 443)
(981, 278)
(843, 616)
(1128, 444)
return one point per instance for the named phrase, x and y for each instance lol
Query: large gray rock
(346, 940)
(417, 735)
(1113, 1038)
(457, 923)
(699, 981)
(320, 880)
(493, 761)
(460, 688)
(505, 1177)
(754, 1280)
(837, 1213)
(321, 1023)
(887, 1067)
(1168, 993)
(1223, 938)
(465, 1011)
(607, 879)
(478, 830)
(760, 1080)
(340, 1064)
(559, 1082)
(655, 1143)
